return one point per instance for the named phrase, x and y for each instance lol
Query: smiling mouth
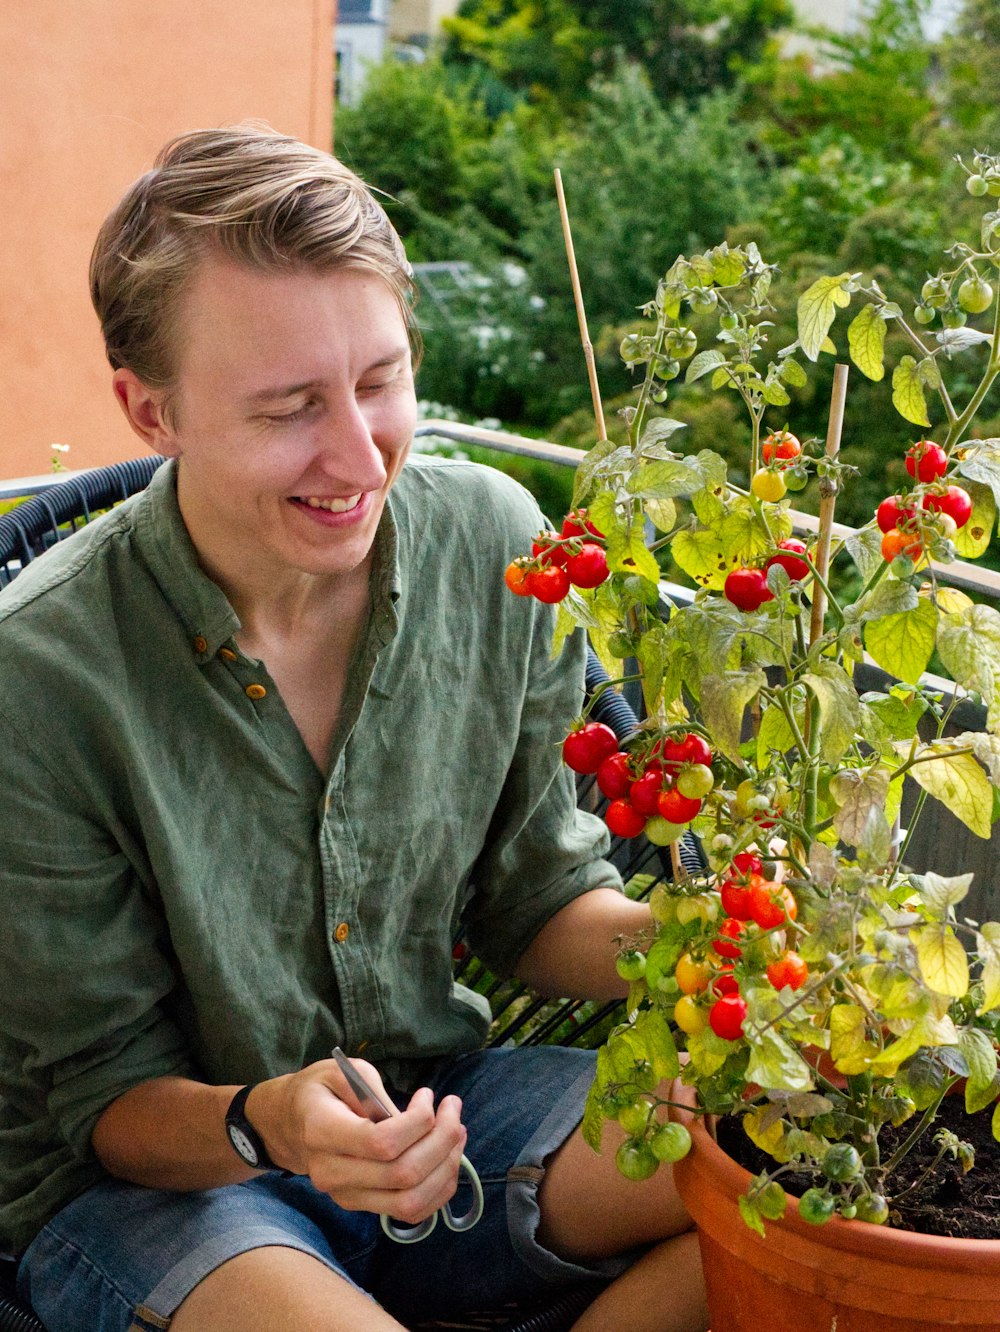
(330, 505)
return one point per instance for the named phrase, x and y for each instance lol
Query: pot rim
(839, 1233)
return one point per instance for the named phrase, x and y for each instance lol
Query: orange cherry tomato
(692, 976)
(514, 576)
(896, 543)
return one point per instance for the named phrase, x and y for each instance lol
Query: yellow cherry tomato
(691, 975)
(768, 486)
(688, 1016)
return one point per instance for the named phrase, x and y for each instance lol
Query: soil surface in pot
(946, 1202)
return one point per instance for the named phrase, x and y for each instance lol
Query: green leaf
(902, 644)
(969, 647)
(839, 707)
(592, 1127)
(908, 392)
(703, 363)
(657, 430)
(981, 1058)
(939, 894)
(603, 513)
(774, 734)
(723, 701)
(584, 478)
(750, 1213)
(988, 947)
(865, 549)
(817, 310)
(654, 1029)
(973, 538)
(776, 1064)
(661, 513)
(995, 1121)
(638, 557)
(891, 597)
(564, 626)
(981, 463)
(960, 784)
(746, 537)
(728, 266)
(942, 960)
(723, 378)
(663, 480)
(792, 373)
(701, 557)
(866, 340)
(775, 394)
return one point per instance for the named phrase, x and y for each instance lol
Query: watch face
(243, 1144)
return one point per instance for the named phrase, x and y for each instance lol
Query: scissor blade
(373, 1106)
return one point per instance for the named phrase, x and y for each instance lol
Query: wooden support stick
(588, 350)
(821, 555)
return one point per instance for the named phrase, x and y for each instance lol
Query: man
(271, 730)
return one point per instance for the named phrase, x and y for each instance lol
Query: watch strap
(244, 1139)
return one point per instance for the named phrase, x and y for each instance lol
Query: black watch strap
(246, 1142)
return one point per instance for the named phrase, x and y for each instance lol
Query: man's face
(293, 414)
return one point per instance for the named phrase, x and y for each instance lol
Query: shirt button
(255, 691)
(227, 654)
(200, 643)
(342, 931)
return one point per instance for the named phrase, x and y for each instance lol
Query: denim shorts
(121, 1258)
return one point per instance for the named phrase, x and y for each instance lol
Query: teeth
(333, 505)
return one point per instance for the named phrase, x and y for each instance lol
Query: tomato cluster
(897, 516)
(575, 557)
(780, 452)
(658, 793)
(746, 586)
(710, 991)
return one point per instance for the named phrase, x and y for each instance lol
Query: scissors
(376, 1110)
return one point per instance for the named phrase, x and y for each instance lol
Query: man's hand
(406, 1166)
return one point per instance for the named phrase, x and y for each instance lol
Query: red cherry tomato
(735, 899)
(677, 808)
(549, 584)
(789, 970)
(576, 524)
(689, 748)
(955, 502)
(730, 930)
(727, 1015)
(746, 863)
(770, 903)
(725, 983)
(645, 793)
(797, 568)
(623, 820)
(589, 568)
(614, 776)
(893, 512)
(543, 548)
(585, 748)
(926, 461)
(747, 589)
(780, 444)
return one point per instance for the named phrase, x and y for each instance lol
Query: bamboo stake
(828, 500)
(588, 349)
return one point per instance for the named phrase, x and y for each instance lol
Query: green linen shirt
(184, 892)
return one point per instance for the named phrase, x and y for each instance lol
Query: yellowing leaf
(988, 944)
(943, 963)
(765, 1135)
(961, 785)
(866, 339)
(817, 310)
(663, 513)
(908, 392)
(902, 644)
(973, 538)
(700, 555)
(849, 1049)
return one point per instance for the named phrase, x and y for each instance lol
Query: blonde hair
(255, 196)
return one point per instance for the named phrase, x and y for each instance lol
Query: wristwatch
(246, 1141)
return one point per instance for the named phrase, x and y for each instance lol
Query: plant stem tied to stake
(828, 500)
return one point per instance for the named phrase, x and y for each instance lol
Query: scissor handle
(411, 1234)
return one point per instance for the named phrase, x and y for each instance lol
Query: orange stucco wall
(89, 91)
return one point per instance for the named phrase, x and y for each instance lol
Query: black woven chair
(520, 1018)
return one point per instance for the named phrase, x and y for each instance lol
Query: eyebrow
(280, 391)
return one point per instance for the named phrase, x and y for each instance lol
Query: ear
(145, 411)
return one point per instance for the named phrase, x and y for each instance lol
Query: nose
(346, 451)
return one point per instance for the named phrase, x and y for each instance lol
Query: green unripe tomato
(729, 320)
(683, 342)
(771, 1201)
(661, 832)
(644, 1075)
(665, 367)
(631, 349)
(816, 1207)
(704, 908)
(953, 318)
(695, 782)
(841, 1162)
(873, 1208)
(634, 1118)
(671, 1143)
(934, 292)
(992, 177)
(848, 1211)
(703, 300)
(975, 295)
(658, 394)
(662, 905)
(976, 186)
(796, 478)
(631, 966)
(635, 1160)
(924, 314)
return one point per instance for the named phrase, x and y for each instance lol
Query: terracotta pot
(846, 1276)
